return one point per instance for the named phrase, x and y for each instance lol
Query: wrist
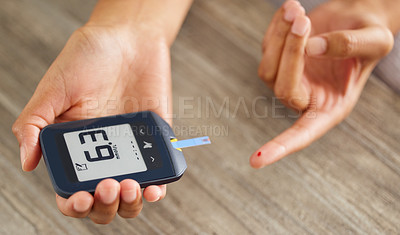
(131, 31)
(161, 19)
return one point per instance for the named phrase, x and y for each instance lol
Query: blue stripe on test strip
(191, 142)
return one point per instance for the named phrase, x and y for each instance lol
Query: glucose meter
(139, 146)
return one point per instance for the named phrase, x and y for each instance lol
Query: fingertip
(387, 43)
(108, 191)
(257, 159)
(30, 151)
(82, 203)
(78, 205)
(316, 46)
(268, 154)
(292, 12)
(152, 193)
(255, 162)
(31, 160)
(163, 191)
(290, 3)
(108, 183)
(22, 151)
(301, 25)
(130, 190)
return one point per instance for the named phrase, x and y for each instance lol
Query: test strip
(191, 142)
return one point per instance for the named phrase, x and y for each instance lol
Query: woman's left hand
(319, 65)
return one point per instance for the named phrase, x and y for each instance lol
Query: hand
(101, 71)
(319, 65)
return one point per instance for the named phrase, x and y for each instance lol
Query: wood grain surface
(348, 182)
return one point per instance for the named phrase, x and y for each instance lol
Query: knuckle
(295, 48)
(63, 212)
(97, 221)
(72, 214)
(126, 215)
(283, 93)
(131, 212)
(290, 98)
(78, 215)
(264, 45)
(280, 33)
(101, 220)
(346, 44)
(260, 72)
(82, 215)
(15, 128)
(266, 74)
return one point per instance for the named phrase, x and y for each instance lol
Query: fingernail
(81, 206)
(23, 156)
(290, 14)
(300, 26)
(129, 196)
(290, 3)
(108, 196)
(316, 46)
(159, 193)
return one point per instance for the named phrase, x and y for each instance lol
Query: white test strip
(191, 142)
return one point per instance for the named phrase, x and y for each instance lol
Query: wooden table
(347, 182)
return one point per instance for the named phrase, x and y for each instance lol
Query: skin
(118, 62)
(319, 64)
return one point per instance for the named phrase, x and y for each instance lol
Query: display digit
(93, 135)
(100, 156)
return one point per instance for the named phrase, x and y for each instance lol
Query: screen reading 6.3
(104, 152)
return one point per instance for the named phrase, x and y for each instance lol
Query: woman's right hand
(119, 62)
(101, 71)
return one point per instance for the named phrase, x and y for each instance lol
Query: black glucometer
(80, 154)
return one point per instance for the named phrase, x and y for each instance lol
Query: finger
(281, 16)
(46, 103)
(106, 201)
(306, 130)
(78, 205)
(274, 40)
(369, 42)
(163, 191)
(155, 193)
(130, 199)
(288, 85)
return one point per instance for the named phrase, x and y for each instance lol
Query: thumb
(369, 42)
(41, 110)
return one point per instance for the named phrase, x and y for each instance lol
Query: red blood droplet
(259, 154)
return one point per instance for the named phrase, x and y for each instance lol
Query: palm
(329, 79)
(330, 90)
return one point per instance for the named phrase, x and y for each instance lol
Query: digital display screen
(105, 152)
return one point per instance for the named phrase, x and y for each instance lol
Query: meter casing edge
(173, 166)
